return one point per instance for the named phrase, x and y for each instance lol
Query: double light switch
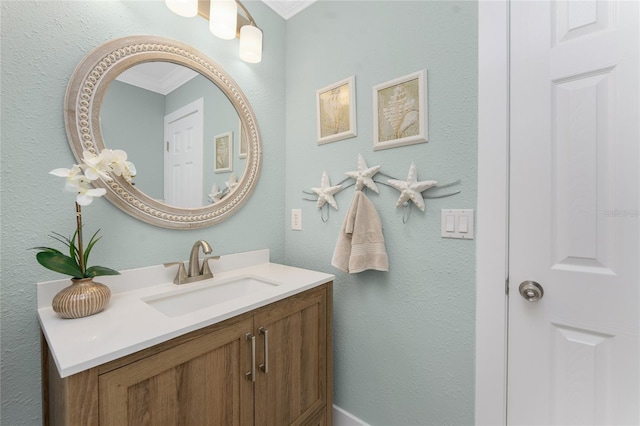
(457, 223)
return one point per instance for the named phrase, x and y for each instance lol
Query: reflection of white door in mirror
(139, 98)
(183, 156)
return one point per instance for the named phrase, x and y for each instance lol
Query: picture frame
(222, 153)
(336, 111)
(400, 114)
(243, 141)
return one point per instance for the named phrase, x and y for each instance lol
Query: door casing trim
(492, 213)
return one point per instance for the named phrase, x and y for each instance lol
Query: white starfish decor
(364, 175)
(326, 191)
(411, 189)
(232, 182)
(215, 195)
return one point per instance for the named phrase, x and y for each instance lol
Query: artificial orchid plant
(79, 179)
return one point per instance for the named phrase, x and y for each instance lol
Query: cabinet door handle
(251, 375)
(265, 367)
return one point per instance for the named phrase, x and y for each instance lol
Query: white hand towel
(360, 244)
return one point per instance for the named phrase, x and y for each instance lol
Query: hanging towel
(360, 244)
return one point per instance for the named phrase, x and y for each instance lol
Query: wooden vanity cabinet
(203, 377)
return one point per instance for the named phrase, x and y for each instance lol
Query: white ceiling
(159, 77)
(288, 8)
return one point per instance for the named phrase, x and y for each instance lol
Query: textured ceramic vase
(82, 298)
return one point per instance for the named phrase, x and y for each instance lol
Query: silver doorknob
(531, 290)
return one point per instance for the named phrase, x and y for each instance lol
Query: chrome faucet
(196, 272)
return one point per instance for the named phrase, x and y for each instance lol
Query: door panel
(183, 162)
(295, 386)
(574, 189)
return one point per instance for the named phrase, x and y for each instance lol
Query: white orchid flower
(120, 166)
(86, 194)
(117, 159)
(73, 177)
(97, 166)
(130, 171)
(71, 173)
(79, 183)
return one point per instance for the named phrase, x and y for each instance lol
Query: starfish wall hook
(326, 191)
(364, 175)
(410, 189)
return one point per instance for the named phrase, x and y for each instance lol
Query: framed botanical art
(222, 151)
(336, 111)
(243, 142)
(400, 111)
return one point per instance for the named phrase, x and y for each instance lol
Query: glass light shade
(223, 18)
(251, 44)
(186, 8)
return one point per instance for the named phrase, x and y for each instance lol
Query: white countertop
(128, 324)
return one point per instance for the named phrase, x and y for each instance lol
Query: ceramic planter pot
(82, 298)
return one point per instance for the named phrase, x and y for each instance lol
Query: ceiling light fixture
(186, 8)
(225, 22)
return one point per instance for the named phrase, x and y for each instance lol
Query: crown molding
(159, 77)
(288, 8)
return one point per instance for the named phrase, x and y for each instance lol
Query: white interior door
(574, 188)
(183, 185)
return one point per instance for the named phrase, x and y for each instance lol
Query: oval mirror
(183, 122)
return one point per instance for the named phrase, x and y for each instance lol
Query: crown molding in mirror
(83, 101)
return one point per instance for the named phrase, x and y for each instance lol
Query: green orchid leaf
(49, 249)
(59, 237)
(55, 260)
(69, 242)
(92, 242)
(73, 248)
(58, 262)
(95, 271)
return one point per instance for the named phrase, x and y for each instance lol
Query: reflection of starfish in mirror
(326, 191)
(411, 189)
(232, 182)
(364, 175)
(215, 195)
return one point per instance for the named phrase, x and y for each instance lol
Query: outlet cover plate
(296, 219)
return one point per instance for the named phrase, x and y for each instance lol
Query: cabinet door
(294, 387)
(200, 382)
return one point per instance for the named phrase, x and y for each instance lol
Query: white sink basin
(187, 300)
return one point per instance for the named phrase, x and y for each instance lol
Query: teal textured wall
(403, 339)
(41, 44)
(132, 119)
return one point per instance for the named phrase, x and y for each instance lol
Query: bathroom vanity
(263, 358)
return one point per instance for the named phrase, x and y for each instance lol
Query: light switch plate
(296, 219)
(457, 223)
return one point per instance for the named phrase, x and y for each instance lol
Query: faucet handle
(206, 270)
(181, 276)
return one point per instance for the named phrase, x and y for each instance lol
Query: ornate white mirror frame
(83, 101)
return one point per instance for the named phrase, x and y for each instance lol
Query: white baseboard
(344, 418)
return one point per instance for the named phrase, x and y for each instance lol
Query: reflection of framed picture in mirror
(400, 111)
(243, 142)
(222, 151)
(336, 111)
